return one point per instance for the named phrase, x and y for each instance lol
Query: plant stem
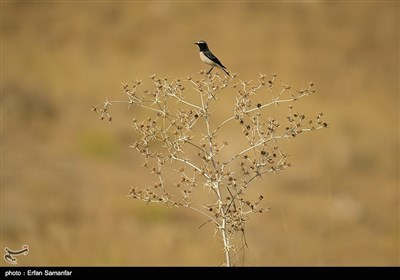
(226, 242)
(223, 230)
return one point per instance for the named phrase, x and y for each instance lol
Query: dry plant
(186, 147)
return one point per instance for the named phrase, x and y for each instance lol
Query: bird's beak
(196, 43)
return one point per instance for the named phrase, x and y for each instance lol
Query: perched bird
(207, 57)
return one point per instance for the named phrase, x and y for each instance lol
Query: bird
(207, 57)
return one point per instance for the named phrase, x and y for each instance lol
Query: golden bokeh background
(65, 174)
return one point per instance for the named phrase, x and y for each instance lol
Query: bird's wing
(213, 58)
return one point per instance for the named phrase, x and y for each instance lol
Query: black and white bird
(207, 57)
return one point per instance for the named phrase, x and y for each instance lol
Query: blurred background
(65, 174)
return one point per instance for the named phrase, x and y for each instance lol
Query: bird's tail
(223, 68)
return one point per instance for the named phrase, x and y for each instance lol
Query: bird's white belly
(205, 59)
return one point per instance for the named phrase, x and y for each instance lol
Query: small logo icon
(9, 255)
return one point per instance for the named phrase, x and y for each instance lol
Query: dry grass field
(65, 174)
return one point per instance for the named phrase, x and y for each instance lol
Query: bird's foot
(209, 71)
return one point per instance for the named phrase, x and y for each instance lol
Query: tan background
(65, 174)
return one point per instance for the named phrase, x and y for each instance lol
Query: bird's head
(202, 45)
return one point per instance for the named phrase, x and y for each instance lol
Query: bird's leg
(209, 71)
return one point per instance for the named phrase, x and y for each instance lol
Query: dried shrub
(181, 140)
